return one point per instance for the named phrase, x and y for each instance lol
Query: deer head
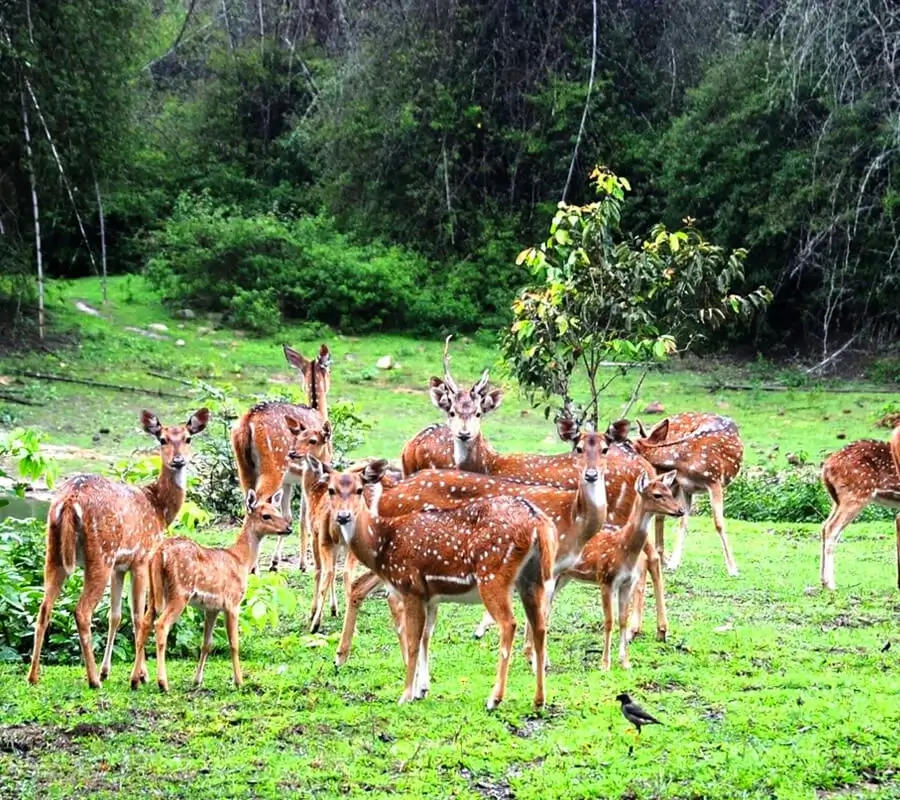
(315, 441)
(464, 408)
(174, 440)
(315, 373)
(346, 500)
(656, 494)
(264, 517)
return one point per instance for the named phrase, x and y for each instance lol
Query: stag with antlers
(110, 528)
(262, 440)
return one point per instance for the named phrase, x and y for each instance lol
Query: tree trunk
(37, 216)
(102, 239)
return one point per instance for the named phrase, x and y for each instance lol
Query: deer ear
(491, 401)
(252, 500)
(375, 470)
(326, 429)
(150, 423)
(317, 467)
(668, 478)
(324, 357)
(295, 359)
(275, 500)
(567, 429)
(641, 484)
(440, 394)
(295, 426)
(659, 432)
(198, 421)
(618, 431)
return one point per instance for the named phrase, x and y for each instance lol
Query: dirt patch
(22, 739)
(871, 782)
(494, 788)
(74, 453)
(409, 390)
(30, 737)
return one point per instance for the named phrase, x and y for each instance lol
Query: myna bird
(634, 713)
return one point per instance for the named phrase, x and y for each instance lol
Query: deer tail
(62, 534)
(545, 536)
(242, 444)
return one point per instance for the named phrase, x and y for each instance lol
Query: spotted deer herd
(459, 523)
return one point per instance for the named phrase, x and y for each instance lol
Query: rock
(184, 313)
(159, 327)
(238, 334)
(385, 362)
(794, 459)
(203, 330)
(147, 334)
(104, 430)
(841, 435)
(848, 411)
(179, 343)
(655, 408)
(524, 413)
(86, 309)
(181, 326)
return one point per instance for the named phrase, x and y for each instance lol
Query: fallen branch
(99, 384)
(163, 375)
(825, 361)
(769, 387)
(11, 398)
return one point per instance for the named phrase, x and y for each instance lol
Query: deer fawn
(577, 514)
(482, 550)
(612, 558)
(706, 451)
(866, 471)
(211, 579)
(262, 440)
(109, 528)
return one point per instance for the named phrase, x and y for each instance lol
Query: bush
(258, 268)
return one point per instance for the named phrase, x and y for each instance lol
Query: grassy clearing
(768, 686)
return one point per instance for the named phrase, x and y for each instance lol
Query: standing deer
(262, 440)
(109, 528)
(612, 558)
(866, 471)
(211, 579)
(706, 451)
(482, 550)
(577, 514)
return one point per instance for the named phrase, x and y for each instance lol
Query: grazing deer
(577, 514)
(211, 579)
(706, 451)
(109, 528)
(612, 558)
(866, 471)
(262, 440)
(482, 550)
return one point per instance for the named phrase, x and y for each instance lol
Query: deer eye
(477, 413)
(658, 495)
(331, 491)
(267, 516)
(359, 491)
(452, 413)
(187, 439)
(579, 448)
(313, 442)
(163, 440)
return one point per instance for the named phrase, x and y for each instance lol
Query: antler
(448, 379)
(479, 387)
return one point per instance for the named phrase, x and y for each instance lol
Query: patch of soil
(496, 789)
(30, 737)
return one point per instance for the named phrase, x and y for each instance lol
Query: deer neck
(365, 539)
(591, 507)
(634, 532)
(316, 395)
(246, 548)
(474, 455)
(166, 493)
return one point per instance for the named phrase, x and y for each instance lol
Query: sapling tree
(601, 298)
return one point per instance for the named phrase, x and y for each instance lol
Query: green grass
(768, 687)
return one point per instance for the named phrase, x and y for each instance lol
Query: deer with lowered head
(706, 451)
(863, 472)
(262, 440)
(577, 514)
(110, 528)
(612, 558)
(481, 551)
(211, 579)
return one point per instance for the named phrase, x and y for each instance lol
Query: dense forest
(380, 164)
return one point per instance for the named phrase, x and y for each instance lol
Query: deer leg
(361, 588)
(304, 530)
(607, 599)
(839, 518)
(624, 600)
(659, 531)
(395, 604)
(675, 559)
(141, 632)
(170, 614)
(209, 624)
(414, 625)
(897, 527)
(116, 585)
(95, 580)
(139, 578)
(535, 602)
(325, 584)
(423, 676)
(54, 577)
(654, 566)
(639, 597)
(350, 562)
(717, 501)
(498, 602)
(486, 621)
(231, 627)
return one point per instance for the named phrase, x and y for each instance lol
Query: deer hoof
(273, 567)
(163, 686)
(661, 635)
(93, 683)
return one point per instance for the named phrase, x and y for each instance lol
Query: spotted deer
(480, 551)
(211, 579)
(706, 451)
(866, 471)
(577, 514)
(612, 558)
(109, 528)
(262, 440)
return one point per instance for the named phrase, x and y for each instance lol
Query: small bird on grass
(634, 713)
